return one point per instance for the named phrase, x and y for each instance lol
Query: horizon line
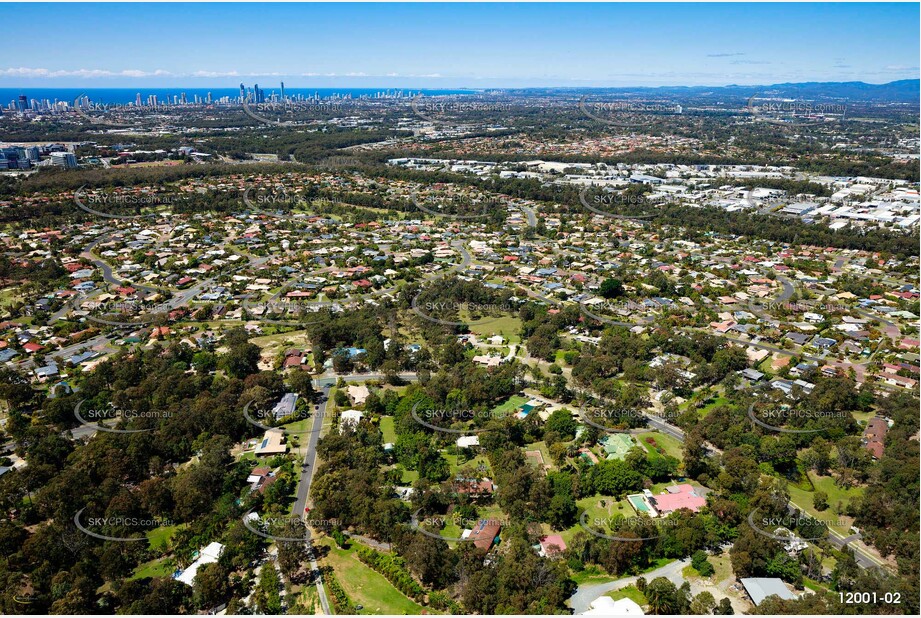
(464, 87)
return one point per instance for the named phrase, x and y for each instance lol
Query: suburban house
(358, 393)
(874, 436)
(475, 488)
(678, 497)
(273, 443)
(484, 534)
(606, 606)
(350, 418)
(208, 555)
(285, 407)
(552, 545)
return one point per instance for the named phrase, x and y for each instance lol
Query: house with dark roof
(874, 436)
(485, 533)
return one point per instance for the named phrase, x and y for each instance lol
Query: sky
(456, 45)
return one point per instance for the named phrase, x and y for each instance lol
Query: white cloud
(85, 73)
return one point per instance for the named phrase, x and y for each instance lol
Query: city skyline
(453, 46)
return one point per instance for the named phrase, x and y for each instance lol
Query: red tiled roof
(684, 498)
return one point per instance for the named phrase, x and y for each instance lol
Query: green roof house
(617, 445)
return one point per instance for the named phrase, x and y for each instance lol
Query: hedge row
(341, 601)
(392, 568)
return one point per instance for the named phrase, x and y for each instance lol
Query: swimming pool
(638, 503)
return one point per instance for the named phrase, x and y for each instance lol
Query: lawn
(716, 401)
(365, 586)
(592, 506)
(298, 427)
(507, 326)
(590, 576)
(154, 568)
(159, 537)
(628, 592)
(514, 402)
(280, 340)
(473, 464)
(832, 516)
(10, 296)
(388, 429)
(722, 569)
(672, 447)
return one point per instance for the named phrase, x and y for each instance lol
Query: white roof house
(606, 606)
(468, 441)
(350, 417)
(207, 555)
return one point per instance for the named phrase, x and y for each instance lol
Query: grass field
(159, 537)
(365, 586)
(154, 568)
(9, 296)
(722, 569)
(717, 401)
(299, 426)
(628, 592)
(514, 402)
(507, 326)
(473, 464)
(590, 576)
(672, 446)
(388, 430)
(592, 506)
(281, 341)
(832, 516)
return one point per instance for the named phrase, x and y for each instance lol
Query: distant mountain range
(902, 91)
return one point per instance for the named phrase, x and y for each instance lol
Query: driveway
(581, 601)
